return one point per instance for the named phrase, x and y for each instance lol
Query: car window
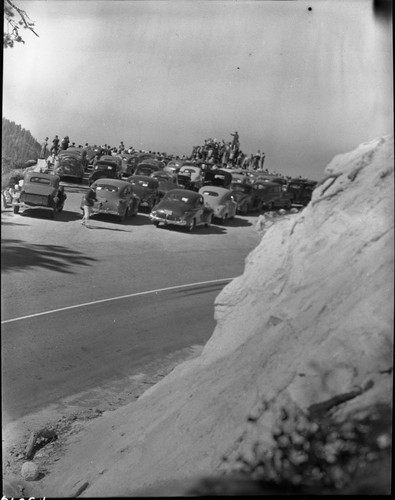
(40, 180)
(107, 187)
(210, 193)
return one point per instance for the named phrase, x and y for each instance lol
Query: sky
(301, 81)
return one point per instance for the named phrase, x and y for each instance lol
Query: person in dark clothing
(55, 145)
(88, 202)
(65, 142)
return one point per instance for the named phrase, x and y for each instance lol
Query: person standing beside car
(87, 203)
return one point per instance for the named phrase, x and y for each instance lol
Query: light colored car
(39, 192)
(221, 200)
(182, 207)
(190, 177)
(115, 197)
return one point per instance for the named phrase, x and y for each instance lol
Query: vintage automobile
(39, 191)
(115, 197)
(284, 200)
(270, 192)
(248, 198)
(241, 178)
(167, 181)
(221, 200)
(190, 177)
(128, 165)
(145, 169)
(146, 188)
(301, 190)
(71, 163)
(217, 177)
(108, 167)
(90, 156)
(182, 207)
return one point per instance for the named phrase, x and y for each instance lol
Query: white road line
(115, 298)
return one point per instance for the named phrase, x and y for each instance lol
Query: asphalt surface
(65, 281)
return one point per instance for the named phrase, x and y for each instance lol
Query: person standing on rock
(44, 149)
(55, 145)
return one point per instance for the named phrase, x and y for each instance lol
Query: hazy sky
(301, 85)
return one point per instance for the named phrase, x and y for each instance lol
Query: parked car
(241, 178)
(301, 191)
(190, 177)
(270, 192)
(127, 165)
(172, 167)
(90, 156)
(115, 197)
(248, 198)
(217, 177)
(182, 207)
(109, 167)
(145, 169)
(167, 181)
(221, 200)
(71, 163)
(39, 191)
(146, 188)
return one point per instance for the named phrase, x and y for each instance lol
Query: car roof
(181, 191)
(32, 173)
(112, 182)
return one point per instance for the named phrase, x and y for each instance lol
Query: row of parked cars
(167, 190)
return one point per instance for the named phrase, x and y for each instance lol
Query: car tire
(191, 226)
(15, 209)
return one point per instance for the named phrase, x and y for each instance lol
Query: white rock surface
(310, 318)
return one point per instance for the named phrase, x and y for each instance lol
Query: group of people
(228, 154)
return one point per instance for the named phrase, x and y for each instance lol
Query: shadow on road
(236, 222)
(17, 255)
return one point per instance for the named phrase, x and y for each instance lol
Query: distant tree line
(18, 146)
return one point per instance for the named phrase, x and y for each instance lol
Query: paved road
(49, 265)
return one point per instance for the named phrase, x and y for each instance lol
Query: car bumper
(168, 222)
(24, 206)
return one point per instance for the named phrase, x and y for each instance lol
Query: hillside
(308, 322)
(18, 145)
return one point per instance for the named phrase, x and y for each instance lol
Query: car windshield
(141, 183)
(40, 180)
(107, 187)
(104, 167)
(241, 188)
(210, 193)
(184, 198)
(188, 171)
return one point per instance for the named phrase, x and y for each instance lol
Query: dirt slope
(310, 319)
